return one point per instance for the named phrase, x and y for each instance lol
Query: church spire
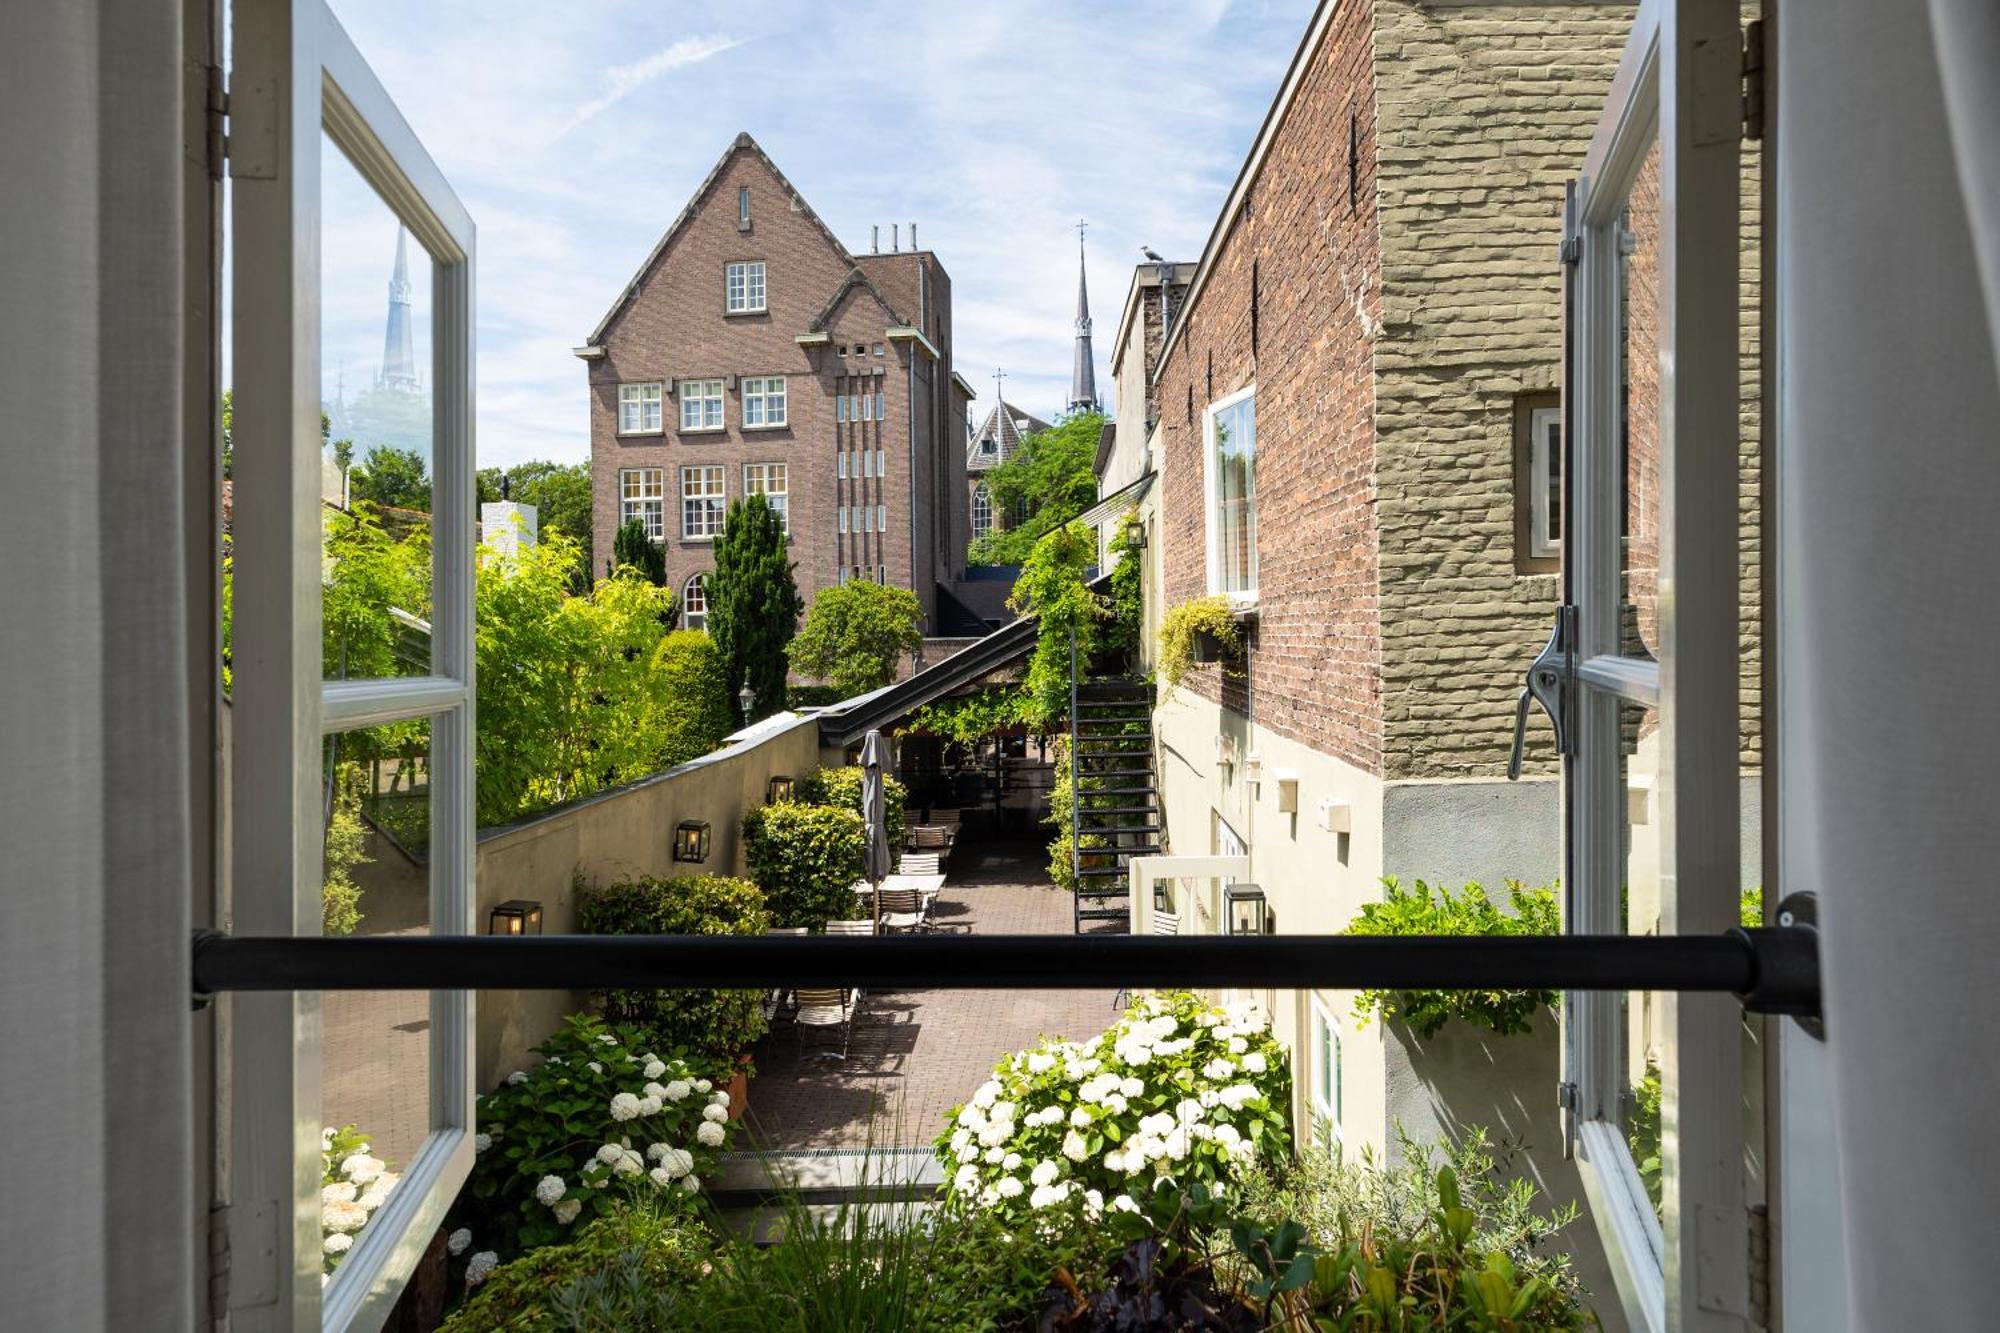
(399, 369)
(1083, 371)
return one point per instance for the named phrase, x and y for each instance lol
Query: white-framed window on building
(642, 495)
(694, 602)
(701, 404)
(878, 349)
(1229, 451)
(865, 407)
(867, 463)
(840, 408)
(639, 407)
(1545, 457)
(703, 502)
(844, 517)
(882, 574)
(867, 517)
(881, 462)
(771, 481)
(982, 511)
(743, 284)
(843, 464)
(881, 411)
(763, 401)
(743, 206)
(881, 518)
(1326, 1080)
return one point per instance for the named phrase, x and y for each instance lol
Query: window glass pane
(642, 496)
(1641, 305)
(1641, 1022)
(1235, 516)
(375, 420)
(375, 1077)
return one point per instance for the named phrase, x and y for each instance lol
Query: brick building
(992, 444)
(752, 352)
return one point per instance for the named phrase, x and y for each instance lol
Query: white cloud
(623, 80)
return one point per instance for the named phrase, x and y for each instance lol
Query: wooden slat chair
(776, 998)
(1165, 925)
(824, 1008)
(904, 909)
(920, 863)
(865, 926)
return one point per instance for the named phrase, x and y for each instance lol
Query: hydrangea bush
(353, 1183)
(1177, 1090)
(599, 1120)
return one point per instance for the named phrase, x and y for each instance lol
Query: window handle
(1551, 677)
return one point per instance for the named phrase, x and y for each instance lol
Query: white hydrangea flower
(959, 1142)
(1079, 1118)
(720, 1097)
(1156, 1124)
(1114, 1160)
(657, 1090)
(967, 1179)
(661, 1176)
(1074, 1148)
(677, 1090)
(1225, 1134)
(993, 1156)
(1117, 1103)
(337, 1242)
(1188, 1111)
(1044, 1173)
(1093, 1204)
(714, 1114)
(1218, 1069)
(972, 1118)
(1010, 1161)
(1132, 1087)
(342, 1216)
(654, 1068)
(458, 1242)
(1238, 1045)
(624, 1106)
(481, 1142)
(676, 1162)
(702, 1085)
(378, 1189)
(691, 1184)
(593, 1066)
(649, 1106)
(610, 1152)
(607, 1039)
(1124, 1204)
(479, 1265)
(709, 1134)
(549, 1190)
(1236, 1094)
(1255, 1062)
(340, 1191)
(987, 1093)
(657, 1152)
(630, 1164)
(361, 1168)
(1178, 1143)
(566, 1211)
(517, 1078)
(1040, 1062)
(1008, 1187)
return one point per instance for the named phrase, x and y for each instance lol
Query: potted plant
(1198, 631)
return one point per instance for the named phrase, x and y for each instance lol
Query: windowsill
(704, 430)
(640, 434)
(733, 314)
(697, 541)
(1242, 605)
(774, 425)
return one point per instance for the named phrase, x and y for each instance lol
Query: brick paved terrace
(916, 1054)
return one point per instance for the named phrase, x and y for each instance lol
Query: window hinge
(218, 122)
(1567, 1100)
(1760, 1264)
(1572, 250)
(1753, 79)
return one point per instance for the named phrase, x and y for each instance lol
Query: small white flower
(1044, 1173)
(1079, 1118)
(340, 1191)
(967, 1179)
(677, 1090)
(719, 1097)
(517, 1078)
(1093, 1203)
(691, 1183)
(994, 1156)
(654, 1068)
(549, 1190)
(702, 1085)
(649, 1106)
(342, 1216)
(677, 1162)
(655, 1090)
(1114, 1160)
(610, 1153)
(1178, 1144)
(1225, 1134)
(607, 1039)
(1218, 1069)
(1010, 1162)
(338, 1242)
(1074, 1148)
(481, 1142)
(1132, 1087)
(1255, 1062)
(1188, 1111)
(960, 1141)
(1116, 1103)
(378, 1189)
(657, 1152)
(988, 1093)
(566, 1211)
(458, 1242)
(629, 1164)
(1008, 1187)
(593, 1066)
(361, 1168)
(661, 1176)
(1040, 1062)
(714, 1114)
(1238, 1046)
(1124, 1204)
(624, 1106)
(709, 1134)
(478, 1266)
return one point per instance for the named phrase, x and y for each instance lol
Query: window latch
(1552, 684)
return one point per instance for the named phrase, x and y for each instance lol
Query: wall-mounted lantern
(746, 699)
(691, 840)
(516, 916)
(1246, 910)
(779, 790)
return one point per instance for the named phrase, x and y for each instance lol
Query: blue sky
(575, 133)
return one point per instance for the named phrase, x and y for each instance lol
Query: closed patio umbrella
(875, 816)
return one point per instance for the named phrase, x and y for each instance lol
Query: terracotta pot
(739, 1092)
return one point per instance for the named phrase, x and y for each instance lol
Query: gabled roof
(1009, 433)
(741, 144)
(855, 278)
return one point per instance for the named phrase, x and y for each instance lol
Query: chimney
(896, 236)
(875, 239)
(913, 235)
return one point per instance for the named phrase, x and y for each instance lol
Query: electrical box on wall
(1334, 814)
(1288, 789)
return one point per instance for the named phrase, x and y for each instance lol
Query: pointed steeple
(1083, 371)
(399, 368)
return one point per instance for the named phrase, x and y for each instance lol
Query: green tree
(393, 478)
(343, 458)
(696, 707)
(632, 549)
(1052, 589)
(1052, 476)
(560, 493)
(856, 633)
(753, 602)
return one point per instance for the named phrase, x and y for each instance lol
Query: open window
(1653, 1082)
(351, 700)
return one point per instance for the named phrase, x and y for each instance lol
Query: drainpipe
(910, 414)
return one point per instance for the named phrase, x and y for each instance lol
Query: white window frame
(695, 588)
(641, 412)
(1676, 83)
(705, 397)
(867, 464)
(1211, 498)
(865, 409)
(1544, 454)
(843, 520)
(881, 405)
(1326, 1092)
(882, 575)
(743, 285)
(867, 519)
(840, 408)
(710, 503)
(773, 482)
(764, 402)
(642, 494)
(843, 464)
(308, 77)
(982, 511)
(882, 462)
(742, 205)
(881, 518)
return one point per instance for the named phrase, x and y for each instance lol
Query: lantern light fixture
(746, 699)
(780, 789)
(516, 916)
(691, 840)
(1246, 910)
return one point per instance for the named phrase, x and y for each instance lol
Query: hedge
(841, 789)
(806, 859)
(701, 1025)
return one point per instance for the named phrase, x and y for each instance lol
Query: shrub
(1178, 628)
(599, 1120)
(693, 707)
(353, 1184)
(1178, 1089)
(753, 602)
(856, 635)
(1423, 910)
(539, 1292)
(969, 718)
(806, 859)
(631, 548)
(840, 788)
(1052, 588)
(708, 1027)
(340, 896)
(1062, 866)
(1128, 597)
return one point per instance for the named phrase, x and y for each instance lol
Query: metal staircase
(1114, 795)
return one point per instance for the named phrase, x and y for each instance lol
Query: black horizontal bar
(1777, 966)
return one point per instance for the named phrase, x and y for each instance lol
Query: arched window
(982, 511)
(694, 603)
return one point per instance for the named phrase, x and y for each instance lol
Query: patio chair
(919, 863)
(823, 1008)
(776, 998)
(865, 926)
(1165, 924)
(904, 909)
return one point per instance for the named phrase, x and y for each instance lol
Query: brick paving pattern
(916, 1054)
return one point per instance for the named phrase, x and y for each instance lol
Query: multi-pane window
(982, 511)
(642, 496)
(701, 404)
(639, 408)
(866, 408)
(1231, 477)
(844, 518)
(745, 286)
(694, 602)
(866, 514)
(840, 407)
(770, 481)
(881, 462)
(743, 206)
(878, 349)
(867, 463)
(881, 413)
(881, 518)
(1545, 481)
(702, 502)
(843, 467)
(1326, 1079)
(764, 400)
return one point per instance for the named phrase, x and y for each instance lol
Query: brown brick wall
(1312, 672)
